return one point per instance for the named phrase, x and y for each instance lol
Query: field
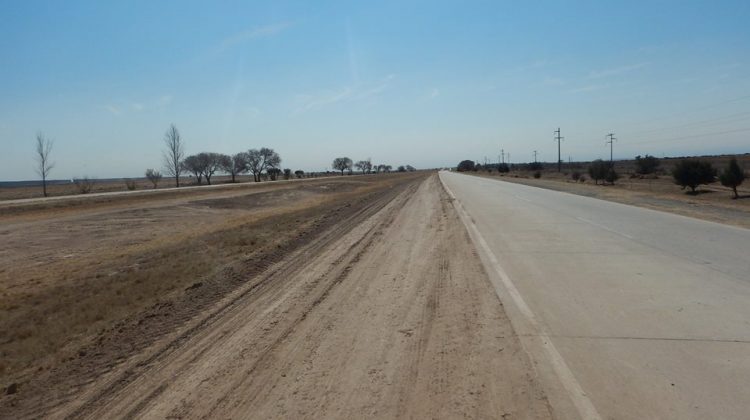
(712, 202)
(337, 297)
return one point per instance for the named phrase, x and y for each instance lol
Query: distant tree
(503, 168)
(401, 168)
(646, 165)
(192, 164)
(342, 164)
(273, 173)
(234, 165)
(410, 168)
(691, 173)
(388, 168)
(43, 163)
(364, 165)
(153, 176)
(287, 173)
(299, 173)
(130, 184)
(210, 163)
(732, 176)
(174, 153)
(260, 160)
(598, 170)
(465, 166)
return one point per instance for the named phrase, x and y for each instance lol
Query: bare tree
(364, 165)
(154, 176)
(174, 153)
(342, 164)
(193, 165)
(210, 162)
(43, 164)
(260, 160)
(234, 165)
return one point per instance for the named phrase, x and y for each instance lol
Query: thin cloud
(434, 93)
(138, 107)
(113, 109)
(589, 88)
(596, 74)
(252, 34)
(308, 102)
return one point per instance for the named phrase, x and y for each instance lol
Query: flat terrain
(657, 191)
(628, 313)
(338, 298)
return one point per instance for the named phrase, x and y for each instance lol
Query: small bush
(130, 184)
(84, 185)
(732, 176)
(537, 174)
(582, 179)
(575, 176)
(153, 176)
(598, 170)
(287, 173)
(691, 173)
(299, 173)
(646, 165)
(503, 168)
(611, 176)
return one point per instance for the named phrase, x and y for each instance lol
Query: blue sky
(422, 83)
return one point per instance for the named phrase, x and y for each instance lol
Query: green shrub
(732, 176)
(691, 173)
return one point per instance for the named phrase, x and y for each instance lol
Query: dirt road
(396, 318)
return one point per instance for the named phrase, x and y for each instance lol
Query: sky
(426, 83)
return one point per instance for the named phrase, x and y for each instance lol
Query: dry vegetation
(657, 191)
(73, 276)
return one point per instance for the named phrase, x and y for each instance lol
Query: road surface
(628, 313)
(393, 318)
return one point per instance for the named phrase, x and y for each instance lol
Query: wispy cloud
(308, 102)
(596, 74)
(252, 34)
(434, 93)
(588, 88)
(113, 109)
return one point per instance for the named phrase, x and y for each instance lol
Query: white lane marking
(583, 404)
(616, 232)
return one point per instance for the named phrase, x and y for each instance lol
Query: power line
(693, 136)
(713, 121)
(690, 111)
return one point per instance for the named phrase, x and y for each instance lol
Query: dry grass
(99, 267)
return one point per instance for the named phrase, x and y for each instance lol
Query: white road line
(583, 404)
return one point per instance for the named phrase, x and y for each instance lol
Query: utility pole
(502, 153)
(535, 156)
(611, 143)
(558, 139)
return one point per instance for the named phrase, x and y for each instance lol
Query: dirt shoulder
(713, 203)
(81, 289)
(391, 317)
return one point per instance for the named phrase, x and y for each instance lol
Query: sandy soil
(392, 316)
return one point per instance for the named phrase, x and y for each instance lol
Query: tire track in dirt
(392, 316)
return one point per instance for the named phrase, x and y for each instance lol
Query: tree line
(260, 163)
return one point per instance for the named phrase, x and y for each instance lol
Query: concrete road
(628, 313)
